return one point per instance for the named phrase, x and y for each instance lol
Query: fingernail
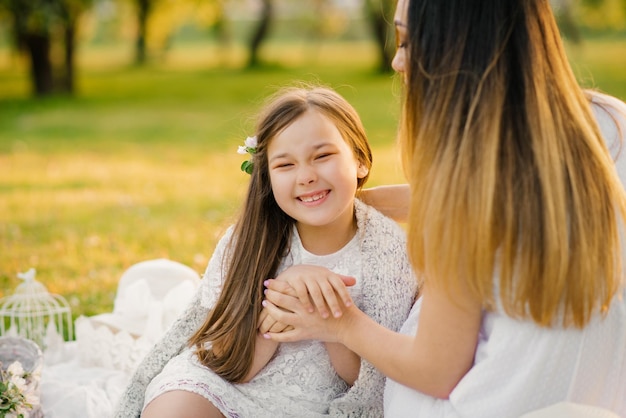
(337, 314)
(264, 303)
(266, 283)
(265, 291)
(266, 336)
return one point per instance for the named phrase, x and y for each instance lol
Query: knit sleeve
(176, 337)
(389, 289)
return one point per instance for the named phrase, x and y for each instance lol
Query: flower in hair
(249, 147)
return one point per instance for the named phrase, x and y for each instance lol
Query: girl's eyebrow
(276, 157)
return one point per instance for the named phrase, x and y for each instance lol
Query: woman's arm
(433, 361)
(392, 200)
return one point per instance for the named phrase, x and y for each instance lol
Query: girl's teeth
(312, 198)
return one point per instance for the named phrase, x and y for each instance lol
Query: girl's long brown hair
(510, 175)
(262, 233)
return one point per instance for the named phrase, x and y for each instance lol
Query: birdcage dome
(34, 313)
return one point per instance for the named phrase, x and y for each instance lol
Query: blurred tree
(564, 12)
(144, 9)
(260, 32)
(380, 15)
(156, 21)
(378, 12)
(219, 22)
(605, 14)
(70, 12)
(40, 25)
(572, 14)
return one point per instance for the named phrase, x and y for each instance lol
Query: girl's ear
(362, 171)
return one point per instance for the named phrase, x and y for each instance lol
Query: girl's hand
(267, 323)
(316, 287)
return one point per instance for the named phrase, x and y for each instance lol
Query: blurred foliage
(142, 163)
(43, 17)
(154, 27)
(590, 15)
(171, 15)
(602, 14)
(45, 31)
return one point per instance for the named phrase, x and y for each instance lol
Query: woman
(514, 222)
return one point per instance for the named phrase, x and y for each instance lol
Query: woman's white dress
(520, 367)
(299, 381)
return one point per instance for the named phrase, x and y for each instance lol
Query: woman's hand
(392, 200)
(316, 287)
(303, 323)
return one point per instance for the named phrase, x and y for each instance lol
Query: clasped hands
(305, 302)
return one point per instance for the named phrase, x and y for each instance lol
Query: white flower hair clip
(249, 147)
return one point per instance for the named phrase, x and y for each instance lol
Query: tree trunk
(260, 33)
(67, 83)
(143, 11)
(379, 22)
(38, 47)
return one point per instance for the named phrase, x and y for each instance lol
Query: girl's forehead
(310, 120)
(310, 130)
(288, 124)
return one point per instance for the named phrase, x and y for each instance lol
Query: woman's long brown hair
(510, 175)
(262, 233)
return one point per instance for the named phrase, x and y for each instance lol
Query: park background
(126, 151)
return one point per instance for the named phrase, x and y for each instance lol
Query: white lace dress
(521, 367)
(299, 381)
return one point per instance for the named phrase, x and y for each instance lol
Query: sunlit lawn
(142, 163)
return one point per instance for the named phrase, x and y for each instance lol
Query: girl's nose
(306, 175)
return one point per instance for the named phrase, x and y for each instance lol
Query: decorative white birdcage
(34, 313)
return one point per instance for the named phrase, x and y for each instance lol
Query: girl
(515, 223)
(310, 157)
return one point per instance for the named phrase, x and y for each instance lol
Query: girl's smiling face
(314, 172)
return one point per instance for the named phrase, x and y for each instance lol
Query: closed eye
(322, 156)
(401, 37)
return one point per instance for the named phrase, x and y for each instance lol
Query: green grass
(600, 63)
(141, 163)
